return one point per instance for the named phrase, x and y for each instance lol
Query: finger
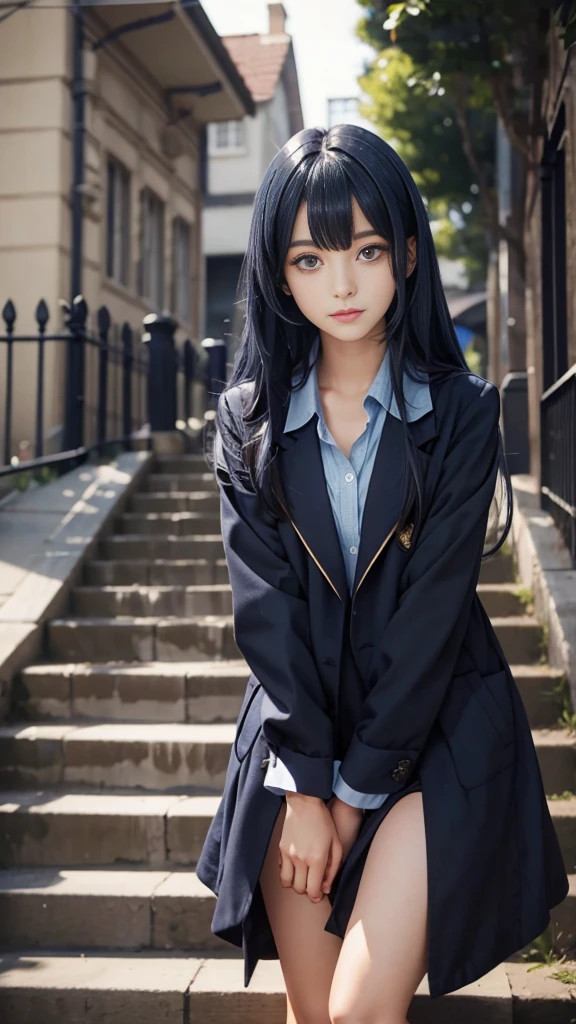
(314, 882)
(286, 870)
(334, 861)
(300, 877)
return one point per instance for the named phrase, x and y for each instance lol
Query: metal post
(162, 368)
(215, 349)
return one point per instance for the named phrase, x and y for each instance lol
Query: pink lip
(347, 316)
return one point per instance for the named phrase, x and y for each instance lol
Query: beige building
(154, 74)
(239, 152)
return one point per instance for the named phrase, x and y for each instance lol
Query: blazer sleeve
(415, 657)
(271, 623)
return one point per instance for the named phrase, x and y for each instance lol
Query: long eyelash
(307, 255)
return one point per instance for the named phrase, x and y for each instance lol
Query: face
(325, 281)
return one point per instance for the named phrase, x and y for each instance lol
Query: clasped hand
(316, 838)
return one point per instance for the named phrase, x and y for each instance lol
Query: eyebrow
(308, 241)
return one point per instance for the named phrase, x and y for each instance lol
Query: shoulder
(465, 393)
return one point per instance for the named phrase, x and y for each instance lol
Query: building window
(344, 110)
(227, 137)
(181, 272)
(117, 222)
(152, 255)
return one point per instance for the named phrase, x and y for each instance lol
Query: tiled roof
(259, 60)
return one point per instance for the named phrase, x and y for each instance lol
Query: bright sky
(329, 57)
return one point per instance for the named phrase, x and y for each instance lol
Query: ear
(411, 255)
(285, 289)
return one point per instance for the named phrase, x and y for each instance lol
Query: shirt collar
(306, 401)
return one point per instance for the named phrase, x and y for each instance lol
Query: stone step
(536, 687)
(160, 572)
(88, 829)
(556, 750)
(169, 756)
(190, 691)
(501, 599)
(195, 691)
(156, 638)
(183, 501)
(142, 600)
(160, 988)
(498, 569)
(521, 637)
(164, 757)
(171, 482)
(115, 909)
(153, 546)
(185, 463)
(67, 908)
(55, 828)
(151, 638)
(168, 524)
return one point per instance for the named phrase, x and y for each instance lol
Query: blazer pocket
(248, 723)
(477, 720)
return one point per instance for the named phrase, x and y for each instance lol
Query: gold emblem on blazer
(405, 535)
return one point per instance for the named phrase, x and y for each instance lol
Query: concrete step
(88, 829)
(152, 638)
(190, 691)
(185, 463)
(195, 691)
(155, 638)
(521, 637)
(55, 828)
(64, 908)
(163, 757)
(556, 750)
(536, 687)
(173, 524)
(117, 909)
(141, 600)
(183, 501)
(160, 572)
(170, 482)
(169, 756)
(153, 546)
(498, 569)
(501, 599)
(176, 988)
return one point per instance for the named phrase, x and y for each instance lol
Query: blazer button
(402, 770)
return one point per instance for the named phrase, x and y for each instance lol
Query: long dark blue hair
(325, 168)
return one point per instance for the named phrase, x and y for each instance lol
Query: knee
(344, 1011)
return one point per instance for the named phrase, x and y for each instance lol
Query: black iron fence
(558, 454)
(107, 383)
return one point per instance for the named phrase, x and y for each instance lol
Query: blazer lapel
(309, 502)
(386, 491)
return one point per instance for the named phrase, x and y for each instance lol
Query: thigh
(307, 952)
(383, 956)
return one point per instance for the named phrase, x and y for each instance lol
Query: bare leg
(308, 954)
(383, 956)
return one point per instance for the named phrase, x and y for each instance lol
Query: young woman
(383, 815)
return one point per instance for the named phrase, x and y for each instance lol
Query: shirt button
(349, 477)
(353, 550)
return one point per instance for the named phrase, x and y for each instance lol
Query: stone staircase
(110, 770)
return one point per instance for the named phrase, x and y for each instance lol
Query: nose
(343, 284)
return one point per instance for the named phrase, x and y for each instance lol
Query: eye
(374, 252)
(299, 261)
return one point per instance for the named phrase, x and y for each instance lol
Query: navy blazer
(410, 669)
(404, 681)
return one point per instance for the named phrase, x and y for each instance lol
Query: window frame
(152, 271)
(118, 221)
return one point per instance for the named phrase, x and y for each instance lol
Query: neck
(348, 367)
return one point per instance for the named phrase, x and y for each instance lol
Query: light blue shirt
(347, 482)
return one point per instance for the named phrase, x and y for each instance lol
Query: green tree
(417, 118)
(490, 55)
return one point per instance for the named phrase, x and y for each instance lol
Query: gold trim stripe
(311, 553)
(369, 566)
